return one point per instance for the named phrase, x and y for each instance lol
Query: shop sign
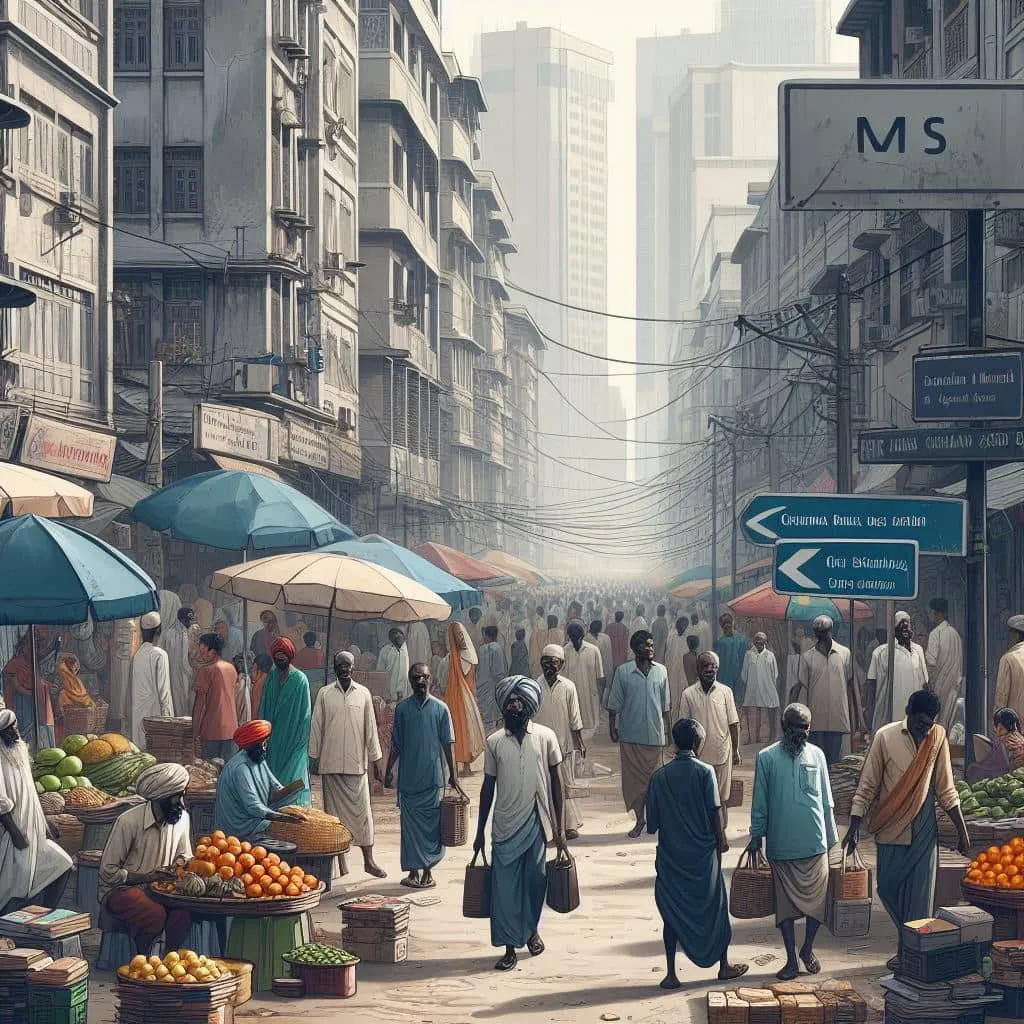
(73, 451)
(240, 433)
(10, 417)
(308, 446)
(346, 458)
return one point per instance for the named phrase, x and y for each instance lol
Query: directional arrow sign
(939, 525)
(847, 569)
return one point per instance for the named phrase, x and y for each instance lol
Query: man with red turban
(286, 704)
(248, 792)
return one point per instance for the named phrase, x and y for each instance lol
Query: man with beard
(639, 721)
(248, 793)
(907, 769)
(285, 703)
(792, 808)
(683, 808)
(32, 866)
(910, 674)
(560, 712)
(582, 664)
(146, 845)
(423, 744)
(523, 785)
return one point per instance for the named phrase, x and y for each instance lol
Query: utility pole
(735, 517)
(713, 423)
(155, 426)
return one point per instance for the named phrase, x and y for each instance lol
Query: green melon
(73, 744)
(50, 757)
(69, 766)
(50, 783)
(67, 783)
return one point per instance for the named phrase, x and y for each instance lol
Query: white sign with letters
(308, 446)
(63, 448)
(240, 433)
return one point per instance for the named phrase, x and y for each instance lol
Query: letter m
(897, 130)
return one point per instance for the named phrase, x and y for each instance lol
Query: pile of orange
(263, 874)
(999, 867)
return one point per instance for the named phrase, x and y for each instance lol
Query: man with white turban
(825, 684)
(910, 674)
(523, 785)
(33, 868)
(146, 845)
(148, 694)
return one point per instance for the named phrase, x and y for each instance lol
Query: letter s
(931, 130)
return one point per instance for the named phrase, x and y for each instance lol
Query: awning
(103, 514)
(1005, 487)
(877, 478)
(123, 491)
(226, 462)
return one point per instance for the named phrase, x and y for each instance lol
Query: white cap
(151, 620)
(905, 617)
(1016, 622)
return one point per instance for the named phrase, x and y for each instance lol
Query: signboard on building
(240, 433)
(10, 417)
(852, 569)
(942, 444)
(894, 145)
(308, 446)
(972, 386)
(58, 447)
(346, 458)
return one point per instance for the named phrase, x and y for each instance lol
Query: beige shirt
(890, 756)
(716, 711)
(139, 844)
(523, 774)
(584, 668)
(824, 683)
(343, 730)
(1010, 680)
(560, 711)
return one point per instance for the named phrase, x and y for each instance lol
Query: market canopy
(763, 603)
(25, 491)
(522, 570)
(240, 511)
(463, 566)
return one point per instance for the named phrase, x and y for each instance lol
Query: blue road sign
(979, 386)
(848, 568)
(938, 525)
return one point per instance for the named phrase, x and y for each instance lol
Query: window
(397, 164)
(398, 35)
(131, 180)
(183, 320)
(283, 183)
(74, 159)
(713, 119)
(183, 179)
(183, 37)
(132, 324)
(131, 37)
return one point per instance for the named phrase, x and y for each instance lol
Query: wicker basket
(99, 716)
(319, 834)
(77, 720)
(454, 820)
(751, 894)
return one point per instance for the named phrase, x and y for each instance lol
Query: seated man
(146, 845)
(248, 794)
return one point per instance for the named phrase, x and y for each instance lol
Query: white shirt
(343, 730)
(584, 668)
(175, 643)
(824, 682)
(523, 774)
(716, 711)
(945, 660)
(395, 662)
(418, 643)
(560, 711)
(910, 672)
(638, 623)
(149, 691)
(603, 642)
(760, 675)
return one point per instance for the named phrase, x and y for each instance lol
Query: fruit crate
(940, 964)
(339, 982)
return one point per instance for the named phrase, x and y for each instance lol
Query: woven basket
(751, 894)
(99, 716)
(454, 820)
(78, 721)
(70, 832)
(320, 833)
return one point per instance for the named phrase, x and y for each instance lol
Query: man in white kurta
(583, 666)
(945, 659)
(418, 644)
(177, 644)
(32, 866)
(675, 651)
(394, 660)
(910, 674)
(760, 678)
(603, 642)
(343, 741)
(148, 694)
(825, 684)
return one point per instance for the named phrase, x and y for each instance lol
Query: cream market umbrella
(25, 491)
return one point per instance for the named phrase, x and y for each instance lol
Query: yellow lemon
(162, 971)
(150, 977)
(137, 962)
(178, 971)
(154, 961)
(172, 958)
(189, 979)
(166, 980)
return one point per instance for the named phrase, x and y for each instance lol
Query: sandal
(535, 945)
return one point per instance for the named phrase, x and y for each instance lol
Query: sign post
(851, 569)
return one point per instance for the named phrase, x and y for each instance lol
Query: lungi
(518, 885)
(145, 918)
(801, 888)
(723, 775)
(347, 797)
(906, 874)
(639, 763)
(573, 818)
(420, 815)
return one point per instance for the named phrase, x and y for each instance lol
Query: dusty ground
(603, 962)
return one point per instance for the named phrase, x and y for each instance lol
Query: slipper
(507, 963)
(735, 971)
(409, 883)
(811, 963)
(426, 885)
(788, 973)
(535, 946)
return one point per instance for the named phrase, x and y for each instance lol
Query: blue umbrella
(381, 551)
(57, 575)
(240, 511)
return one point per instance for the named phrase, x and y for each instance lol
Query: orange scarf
(459, 694)
(901, 800)
(72, 692)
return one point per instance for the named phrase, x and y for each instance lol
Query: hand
(376, 773)
(852, 839)
(754, 846)
(737, 758)
(561, 846)
(293, 817)
(164, 875)
(389, 779)
(478, 843)
(964, 845)
(723, 846)
(454, 784)
(613, 734)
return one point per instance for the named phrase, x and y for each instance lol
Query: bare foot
(732, 971)
(373, 869)
(670, 981)
(637, 830)
(788, 973)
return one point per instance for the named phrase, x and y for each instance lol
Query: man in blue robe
(523, 785)
(287, 705)
(423, 744)
(684, 809)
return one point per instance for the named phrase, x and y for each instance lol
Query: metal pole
(844, 414)
(890, 622)
(35, 694)
(714, 527)
(976, 619)
(155, 426)
(734, 515)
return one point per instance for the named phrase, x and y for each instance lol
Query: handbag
(454, 820)
(751, 892)
(563, 895)
(476, 892)
(850, 883)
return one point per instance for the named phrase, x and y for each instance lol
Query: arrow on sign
(791, 567)
(756, 523)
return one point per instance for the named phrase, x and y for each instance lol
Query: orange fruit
(259, 853)
(247, 880)
(271, 859)
(205, 841)
(218, 835)
(227, 872)
(266, 882)
(974, 876)
(246, 847)
(992, 851)
(257, 871)
(1005, 849)
(285, 869)
(201, 850)
(274, 889)
(292, 890)
(239, 870)
(221, 845)
(274, 871)
(208, 871)
(254, 892)
(310, 880)
(1001, 880)
(247, 860)
(226, 860)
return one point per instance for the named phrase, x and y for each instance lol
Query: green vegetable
(50, 757)
(73, 744)
(317, 954)
(50, 783)
(67, 783)
(68, 766)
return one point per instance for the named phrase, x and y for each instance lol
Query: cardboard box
(974, 923)
(371, 936)
(930, 933)
(392, 952)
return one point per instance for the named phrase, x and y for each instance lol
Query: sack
(476, 893)
(751, 893)
(850, 883)
(563, 885)
(735, 794)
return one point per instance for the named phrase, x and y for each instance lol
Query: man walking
(731, 648)
(394, 660)
(423, 744)
(582, 664)
(148, 694)
(793, 809)
(492, 668)
(619, 636)
(285, 703)
(713, 706)
(343, 740)
(603, 642)
(178, 645)
(659, 630)
(908, 768)
(945, 658)
(825, 680)
(910, 673)
(675, 655)
(215, 710)
(760, 679)
(519, 660)
(639, 721)
(523, 785)
(1010, 679)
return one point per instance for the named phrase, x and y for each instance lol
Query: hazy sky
(614, 25)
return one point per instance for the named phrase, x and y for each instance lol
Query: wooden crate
(371, 936)
(395, 951)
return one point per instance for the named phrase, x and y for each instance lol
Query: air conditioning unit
(334, 263)
(346, 419)
(256, 378)
(68, 214)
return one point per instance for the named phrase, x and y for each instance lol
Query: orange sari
(460, 696)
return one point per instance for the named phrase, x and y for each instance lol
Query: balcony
(1008, 228)
(455, 214)
(417, 477)
(385, 208)
(455, 143)
(919, 66)
(383, 78)
(461, 405)
(494, 270)
(956, 35)
(934, 300)
(456, 308)
(490, 439)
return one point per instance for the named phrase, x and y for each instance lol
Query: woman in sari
(457, 673)
(73, 693)
(30, 702)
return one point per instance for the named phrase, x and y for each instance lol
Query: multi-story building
(56, 135)
(235, 201)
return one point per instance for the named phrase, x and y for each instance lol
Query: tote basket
(850, 883)
(735, 794)
(751, 894)
(563, 894)
(454, 819)
(476, 894)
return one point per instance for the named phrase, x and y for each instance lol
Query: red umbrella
(763, 603)
(459, 564)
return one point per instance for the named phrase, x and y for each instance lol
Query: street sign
(938, 525)
(892, 145)
(848, 569)
(942, 444)
(968, 386)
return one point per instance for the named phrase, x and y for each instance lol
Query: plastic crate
(1012, 1005)
(940, 964)
(76, 1014)
(73, 995)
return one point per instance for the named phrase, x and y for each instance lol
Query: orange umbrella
(763, 603)
(459, 564)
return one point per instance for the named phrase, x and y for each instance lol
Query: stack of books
(61, 973)
(376, 928)
(44, 923)
(1008, 976)
(15, 967)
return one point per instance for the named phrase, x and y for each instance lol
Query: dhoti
(145, 919)
(906, 874)
(723, 776)
(420, 814)
(518, 885)
(801, 888)
(639, 763)
(347, 797)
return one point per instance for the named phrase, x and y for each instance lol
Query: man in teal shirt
(792, 809)
(286, 705)
(731, 648)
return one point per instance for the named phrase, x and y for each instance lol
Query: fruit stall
(995, 882)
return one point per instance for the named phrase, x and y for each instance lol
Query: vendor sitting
(1002, 756)
(146, 845)
(248, 794)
